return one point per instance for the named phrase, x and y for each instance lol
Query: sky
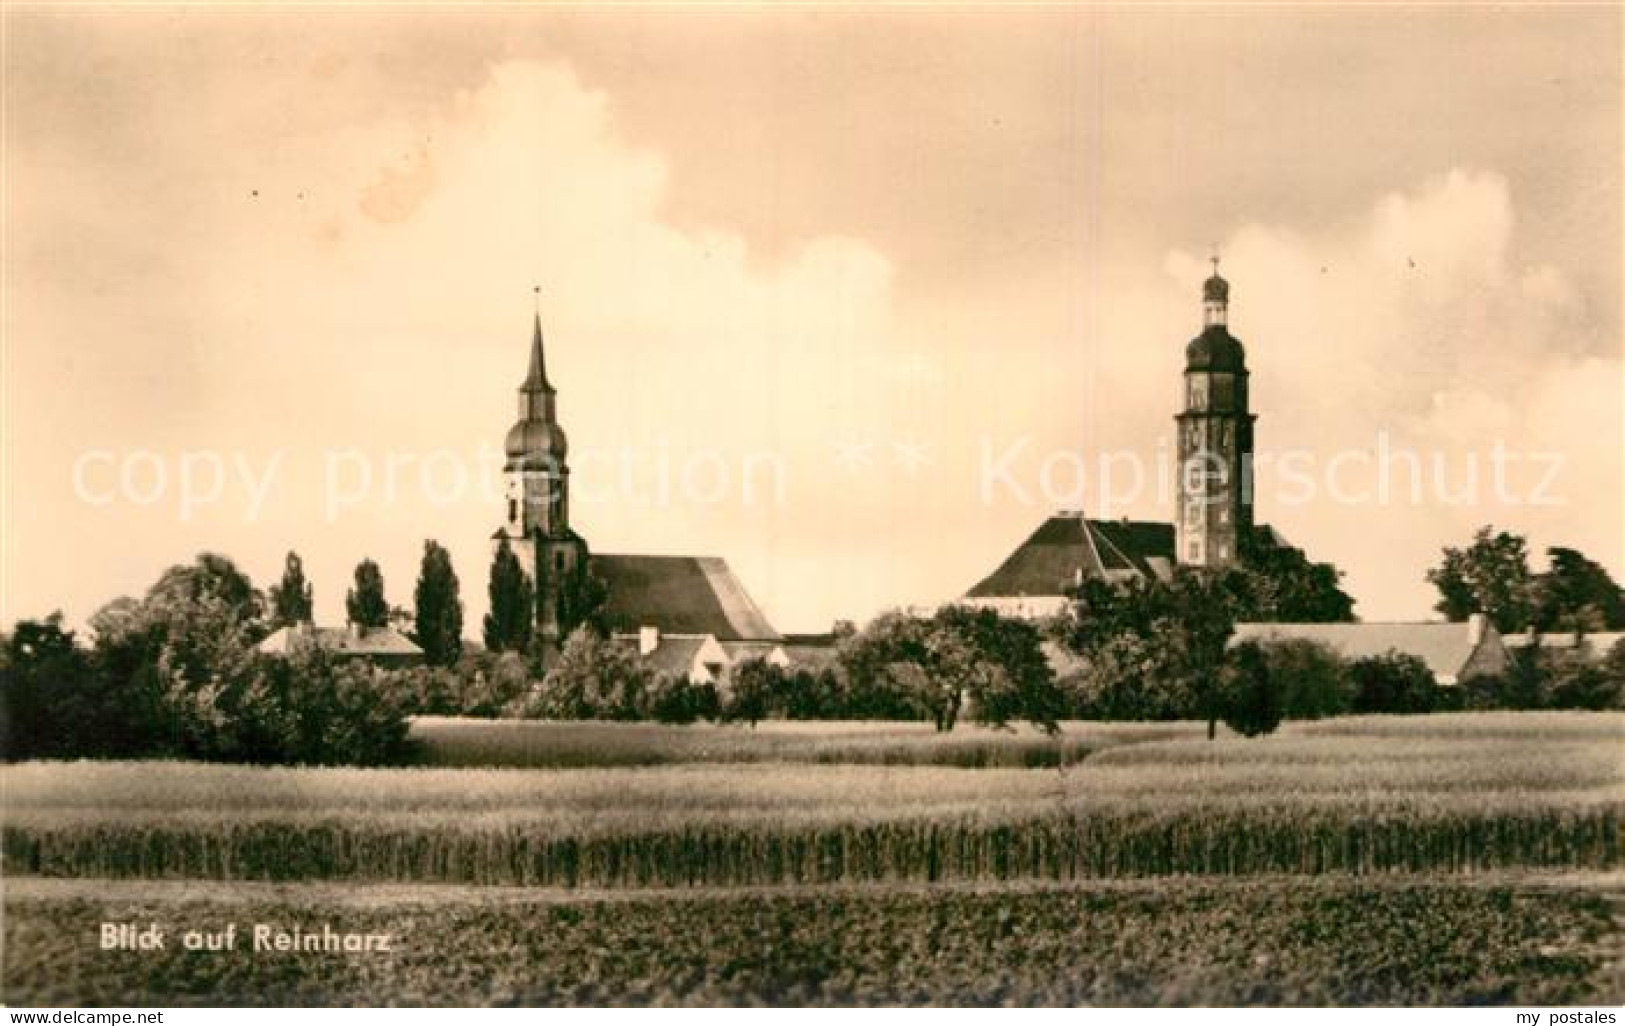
(851, 298)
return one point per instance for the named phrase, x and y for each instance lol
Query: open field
(1442, 860)
(1474, 794)
(1261, 941)
(539, 744)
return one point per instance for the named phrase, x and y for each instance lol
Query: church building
(1214, 511)
(686, 604)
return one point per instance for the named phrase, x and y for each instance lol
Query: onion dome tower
(1215, 438)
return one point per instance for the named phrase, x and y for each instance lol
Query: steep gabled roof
(679, 595)
(1068, 546)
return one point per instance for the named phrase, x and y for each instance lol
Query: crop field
(1263, 941)
(1300, 802)
(1435, 860)
(538, 744)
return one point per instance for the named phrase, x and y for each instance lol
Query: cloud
(367, 291)
(364, 288)
(1421, 322)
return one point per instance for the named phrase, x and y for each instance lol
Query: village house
(383, 646)
(1454, 652)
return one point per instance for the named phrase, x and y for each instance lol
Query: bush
(1253, 694)
(813, 695)
(335, 712)
(1314, 680)
(755, 690)
(675, 699)
(596, 678)
(1571, 681)
(59, 701)
(1393, 683)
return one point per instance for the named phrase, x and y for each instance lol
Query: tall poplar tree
(439, 607)
(292, 599)
(367, 608)
(511, 621)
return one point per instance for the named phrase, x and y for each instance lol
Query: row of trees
(1493, 576)
(435, 622)
(176, 674)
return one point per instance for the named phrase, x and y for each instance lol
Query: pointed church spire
(536, 378)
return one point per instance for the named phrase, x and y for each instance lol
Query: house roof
(1068, 546)
(1596, 646)
(675, 655)
(383, 641)
(1444, 647)
(739, 651)
(679, 595)
(815, 652)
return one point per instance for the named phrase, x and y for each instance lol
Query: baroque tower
(537, 484)
(1215, 432)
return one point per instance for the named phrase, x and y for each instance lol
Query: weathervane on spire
(537, 302)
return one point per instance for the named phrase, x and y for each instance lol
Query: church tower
(1215, 431)
(537, 481)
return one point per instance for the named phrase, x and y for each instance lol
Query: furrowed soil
(1398, 940)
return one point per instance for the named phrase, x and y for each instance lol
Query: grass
(452, 742)
(1262, 941)
(1304, 802)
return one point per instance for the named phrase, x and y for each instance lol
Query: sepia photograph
(717, 505)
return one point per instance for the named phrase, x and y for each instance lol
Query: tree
(319, 710)
(934, 667)
(292, 599)
(1197, 630)
(756, 686)
(1314, 679)
(813, 694)
(213, 576)
(439, 608)
(1278, 584)
(46, 691)
(176, 674)
(366, 606)
(673, 698)
(1024, 687)
(1254, 699)
(1395, 682)
(1577, 594)
(1573, 680)
(1491, 576)
(511, 622)
(581, 601)
(1155, 649)
(595, 678)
